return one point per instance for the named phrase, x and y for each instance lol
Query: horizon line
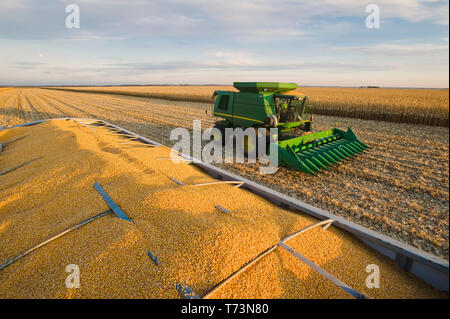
(217, 84)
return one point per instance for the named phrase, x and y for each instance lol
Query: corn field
(415, 106)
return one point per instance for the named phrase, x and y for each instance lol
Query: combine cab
(265, 104)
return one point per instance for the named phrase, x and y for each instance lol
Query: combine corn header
(264, 104)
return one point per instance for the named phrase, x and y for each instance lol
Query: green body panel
(290, 125)
(255, 101)
(258, 102)
(302, 140)
(274, 87)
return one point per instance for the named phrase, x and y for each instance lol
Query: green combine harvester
(264, 104)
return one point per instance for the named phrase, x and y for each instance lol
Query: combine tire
(307, 127)
(220, 139)
(250, 144)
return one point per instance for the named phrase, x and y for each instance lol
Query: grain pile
(195, 242)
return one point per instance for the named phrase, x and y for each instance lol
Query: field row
(416, 106)
(399, 187)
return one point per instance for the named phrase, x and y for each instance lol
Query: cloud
(398, 49)
(233, 65)
(28, 65)
(435, 11)
(252, 19)
(236, 58)
(203, 39)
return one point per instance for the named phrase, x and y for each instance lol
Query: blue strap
(116, 209)
(186, 291)
(154, 258)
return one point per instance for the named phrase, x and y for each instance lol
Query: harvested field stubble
(194, 242)
(399, 187)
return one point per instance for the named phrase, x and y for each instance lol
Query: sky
(312, 43)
